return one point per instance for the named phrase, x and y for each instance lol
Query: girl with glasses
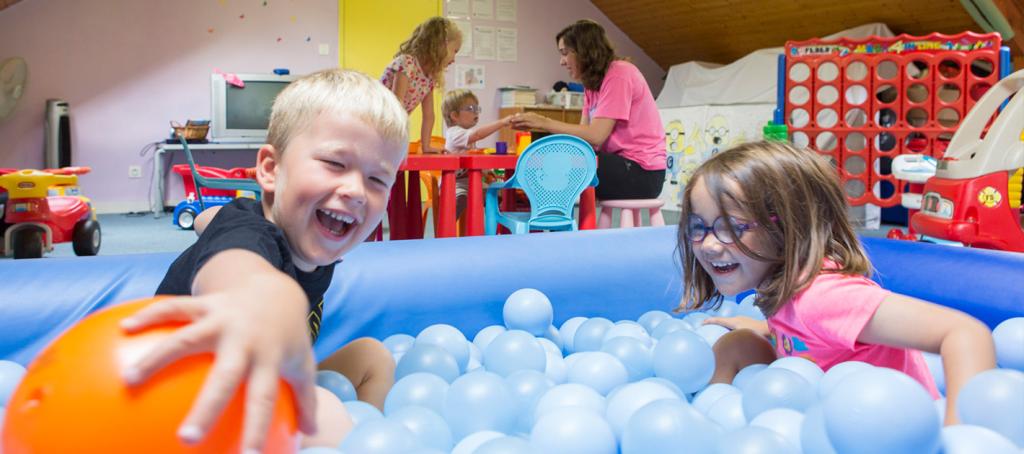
(770, 217)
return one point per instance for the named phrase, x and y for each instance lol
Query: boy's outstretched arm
(964, 342)
(482, 131)
(253, 318)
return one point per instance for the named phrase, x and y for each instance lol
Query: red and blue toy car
(39, 208)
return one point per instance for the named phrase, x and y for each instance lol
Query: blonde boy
(461, 111)
(256, 276)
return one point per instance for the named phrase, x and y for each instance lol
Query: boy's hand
(739, 322)
(529, 120)
(258, 333)
(429, 149)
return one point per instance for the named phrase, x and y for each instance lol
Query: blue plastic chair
(553, 172)
(231, 184)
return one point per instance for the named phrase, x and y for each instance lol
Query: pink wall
(538, 21)
(127, 67)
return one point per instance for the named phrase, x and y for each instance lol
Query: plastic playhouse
(975, 195)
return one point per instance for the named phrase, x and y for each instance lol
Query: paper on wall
(469, 76)
(505, 10)
(483, 9)
(483, 42)
(507, 44)
(467, 38)
(457, 8)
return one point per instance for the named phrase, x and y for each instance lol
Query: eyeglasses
(696, 230)
(475, 108)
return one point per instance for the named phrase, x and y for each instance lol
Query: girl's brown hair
(429, 45)
(594, 53)
(794, 196)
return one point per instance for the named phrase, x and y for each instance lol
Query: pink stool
(629, 214)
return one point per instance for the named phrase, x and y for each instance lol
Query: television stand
(157, 200)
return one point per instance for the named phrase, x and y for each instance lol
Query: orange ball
(73, 398)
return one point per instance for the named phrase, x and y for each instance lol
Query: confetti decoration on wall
(279, 39)
(292, 18)
(209, 30)
(242, 16)
(308, 39)
(222, 2)
(264, 2)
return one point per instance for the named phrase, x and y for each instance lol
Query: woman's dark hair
(594, 53)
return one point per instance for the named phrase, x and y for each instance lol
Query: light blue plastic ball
(528, 310)
(940, 408)
(552, 335)
(669, 426)
(485, 336)
(860, 417)
(337, 384)
(783, 421)
(514, 350)
(568, 332)
(630, 329)
(966, 439)
(555, 367)
(936, 369)
(399, 343)
(1009, 340)
(361, 412)
(727, 411)
(830, 381)
(995, 399)
(430, 428)
(11, 374)
(632, 353)
(775, 387)
(746, 374)
(696, 319)
(569, 395)
(684, 358)
(505, 445)
(422, 450)
(470, 444)
(708, 396)
(527, 386)
(630, 398)
(651, 319)
(802, 366)
(419, 389)
(669, 326)
(430, 359)
(319, 450)
(478, 401)
(598, 370)
(571, 430)
(711, 332)
(590, 335)
(669, 385)
(449, 338)
(813, 435)
(476, 358)
(755, 440)
(727, 309)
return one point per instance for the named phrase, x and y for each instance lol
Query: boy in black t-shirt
(258, 272)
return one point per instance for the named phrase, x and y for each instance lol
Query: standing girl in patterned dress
(418, 67)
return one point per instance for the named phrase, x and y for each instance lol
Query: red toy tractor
(40, 208)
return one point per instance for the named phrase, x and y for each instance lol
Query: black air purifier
(57, 144)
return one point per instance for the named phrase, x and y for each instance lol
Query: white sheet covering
(749, 80)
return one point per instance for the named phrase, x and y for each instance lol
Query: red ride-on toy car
(43, 208)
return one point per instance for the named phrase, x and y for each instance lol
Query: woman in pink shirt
(771, 217)
(620, 119)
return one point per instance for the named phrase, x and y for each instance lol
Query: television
(242, 115)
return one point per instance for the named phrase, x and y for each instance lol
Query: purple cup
(500, 148)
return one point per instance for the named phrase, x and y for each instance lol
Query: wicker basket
(191, 130)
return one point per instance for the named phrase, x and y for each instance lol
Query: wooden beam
(1013, 11)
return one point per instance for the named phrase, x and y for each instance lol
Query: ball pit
(627, 278)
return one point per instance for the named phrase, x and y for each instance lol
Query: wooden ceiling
(6, 3)
(721, 31)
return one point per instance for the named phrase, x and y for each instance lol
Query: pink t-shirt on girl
(822, 324)
(624, 96)
(420, 83)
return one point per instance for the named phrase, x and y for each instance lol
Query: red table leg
(446, 224)
(588, 207)
(413, 207)
(397, 209)
(475, 203)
